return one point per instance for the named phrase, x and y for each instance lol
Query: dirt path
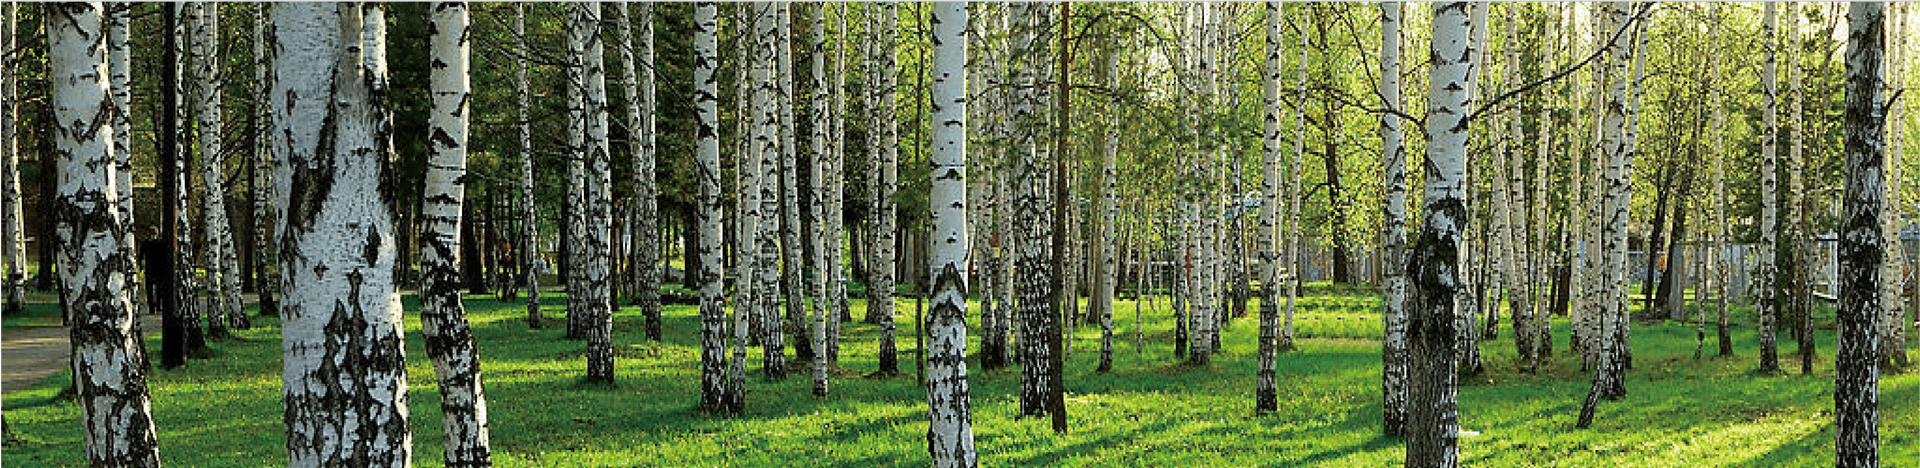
(34, 354)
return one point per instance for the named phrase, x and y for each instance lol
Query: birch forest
(959, 234)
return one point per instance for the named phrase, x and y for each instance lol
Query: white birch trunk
(715, 387)
(1034, 263)
(13, 241)
(1266, 397)
(816, 214)
(1862, 244)
(529, 242)
(1393, 383)
(1769, 303)
(345, 371)
(121, 56)
(636, 59)
(443, 317)
(950, 432)
(593, 242)
(1433, 420)
(109, 378)
(766, 150)
(222, 278)
(1617, 146)
(886, 132)
(262, 184)
(1893, 333)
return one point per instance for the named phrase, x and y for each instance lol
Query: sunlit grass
(1152, 410)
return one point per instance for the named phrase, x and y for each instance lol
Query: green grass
(1152, 410)
(41, 309)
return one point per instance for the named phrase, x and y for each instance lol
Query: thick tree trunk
(950, 432)
(443, 318)
(1394, 377)
(716, 394)
(342, 332)
(1856, 391)
(1034, 262)
(1433, 418)
(108, 376)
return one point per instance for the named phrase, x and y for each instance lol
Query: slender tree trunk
(1542, 326)
(792, 262)
(641, 108)
(217, 250)
(120, 53)
(108, 376)
(1799, 229)
(1290, 233)
(884, 171)
(1892, 333)
(443, 318)
(715, 389)
(13, 243)
(1518, 284)
(593, 246)
(1609, 380)
(264, 209)
(342, 327)
(529, 226)
(1856, 392)
(1394, 346)
(1433, 418)
(1266, 398)
(1721, 232)
(1767, 287)
(1105, 240)
(766, 150)
(950, 432)
(819, 161)
(836, 194)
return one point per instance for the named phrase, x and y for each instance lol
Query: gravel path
(34, 354)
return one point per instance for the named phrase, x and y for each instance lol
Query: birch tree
(764, 148)
(819, 160)
(885, 129)
(1856, 391)
(13, 242)
(1034, 261)
(529, 230)
(588, 279)
(950, 432)
(792, 263)
(1609, 381)
(1393, 382)
(1892, 333)
(443, 318)
(262, 185)
(1767, 288)
(345, 372)
(120, 53)
(107, 373)
(218, 254)
(1433, 419)
(715, 395)
(1266, 399)
(636, 58)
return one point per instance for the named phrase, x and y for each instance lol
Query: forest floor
(1152, 410)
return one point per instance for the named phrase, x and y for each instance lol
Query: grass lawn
(1151, 411)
